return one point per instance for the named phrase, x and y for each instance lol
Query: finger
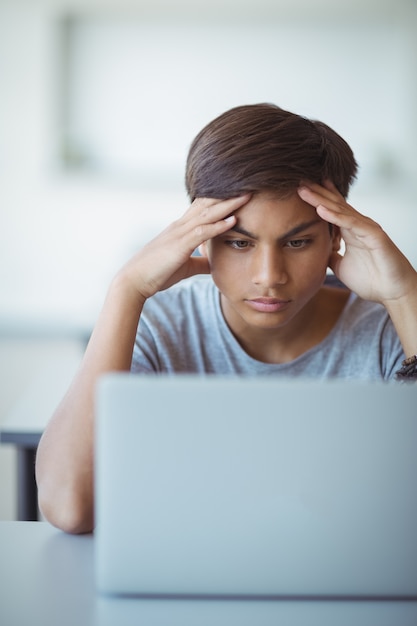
(330, 186)
(326, 207)
(335, 216)
(333, 208)
(328, 204)
(316, 194)
(204, 232)
(325, 188)
(213, 209)
(208, 218)
(345, 216)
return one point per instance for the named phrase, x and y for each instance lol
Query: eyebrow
(294, 231)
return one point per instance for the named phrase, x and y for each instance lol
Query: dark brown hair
(261, 147)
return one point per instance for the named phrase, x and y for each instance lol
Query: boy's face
(272, 263)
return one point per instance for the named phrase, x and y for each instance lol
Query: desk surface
(47, 578)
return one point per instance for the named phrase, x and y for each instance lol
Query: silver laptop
(214, 486)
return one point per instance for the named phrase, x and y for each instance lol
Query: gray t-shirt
(182, 330)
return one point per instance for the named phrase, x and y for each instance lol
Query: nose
(269, 268)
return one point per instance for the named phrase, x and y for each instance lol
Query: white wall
(63, 233)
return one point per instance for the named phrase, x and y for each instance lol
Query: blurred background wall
(99, 101)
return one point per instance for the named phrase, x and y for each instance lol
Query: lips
(268, 305)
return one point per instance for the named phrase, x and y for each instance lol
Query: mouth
(268, 305)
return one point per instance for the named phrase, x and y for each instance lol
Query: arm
(65, 457)
(372, 266)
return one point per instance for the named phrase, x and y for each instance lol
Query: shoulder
(348, 315)
(189, 289)
(358, 308)
(347, 304)
(191, 299)
(179, 329)
(368, 322)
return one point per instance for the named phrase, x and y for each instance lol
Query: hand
(372, 266)
(167, 259)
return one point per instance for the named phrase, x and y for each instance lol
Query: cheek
(226, 269)
(321, 255)
(214, 253)
(319, 262)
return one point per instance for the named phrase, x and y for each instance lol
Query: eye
(296, 244)
(238, 244)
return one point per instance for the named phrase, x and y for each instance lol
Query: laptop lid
(255, 487)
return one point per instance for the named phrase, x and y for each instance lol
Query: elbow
(65, 496)
(69, 517)
(71, 512)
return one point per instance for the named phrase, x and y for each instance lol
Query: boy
(268, 214)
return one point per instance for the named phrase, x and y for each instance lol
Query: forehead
(268, 212)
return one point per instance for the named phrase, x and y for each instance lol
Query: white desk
(25, 423)
(47, 578)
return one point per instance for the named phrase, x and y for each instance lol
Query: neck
(306, 330)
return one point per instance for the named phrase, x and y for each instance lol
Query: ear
(202, 248)
(336, 238)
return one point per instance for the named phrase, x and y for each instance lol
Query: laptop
(255, 487)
